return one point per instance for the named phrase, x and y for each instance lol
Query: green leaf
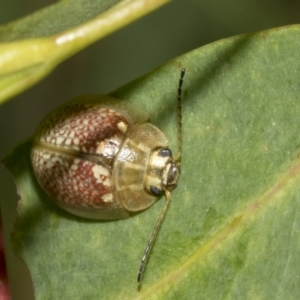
(233, 228)
(32, 47)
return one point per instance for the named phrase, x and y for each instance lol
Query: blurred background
(175, 29)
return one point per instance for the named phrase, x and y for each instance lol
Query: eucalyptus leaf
(233, 228)
(32, 47)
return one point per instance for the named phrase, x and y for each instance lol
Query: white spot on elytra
(99, 172)
(46, 156)
(76, 141)
(122, 126)
(74, 167)
(59, 140)
(57, 159)
(100, 147)
(49, 164)
(107, 197)
(68, 141)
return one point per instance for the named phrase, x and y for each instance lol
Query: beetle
(98, 158)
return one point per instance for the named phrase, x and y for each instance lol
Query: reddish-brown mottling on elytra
(82, 127)
(68, 184)
(69, 177)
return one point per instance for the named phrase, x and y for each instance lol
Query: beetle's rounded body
(97, 158)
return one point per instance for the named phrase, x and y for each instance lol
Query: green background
(177, 28)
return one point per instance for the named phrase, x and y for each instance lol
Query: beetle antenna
(153, 236)
(167, 192)
(179, 116)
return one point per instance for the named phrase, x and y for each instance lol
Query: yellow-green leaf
(32, 47)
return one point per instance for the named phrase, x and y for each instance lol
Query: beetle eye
(155, 191)
(166, 152)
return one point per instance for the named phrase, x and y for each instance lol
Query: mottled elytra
(97, 158)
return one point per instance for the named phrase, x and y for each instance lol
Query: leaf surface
(233, 228)
(32, 47)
